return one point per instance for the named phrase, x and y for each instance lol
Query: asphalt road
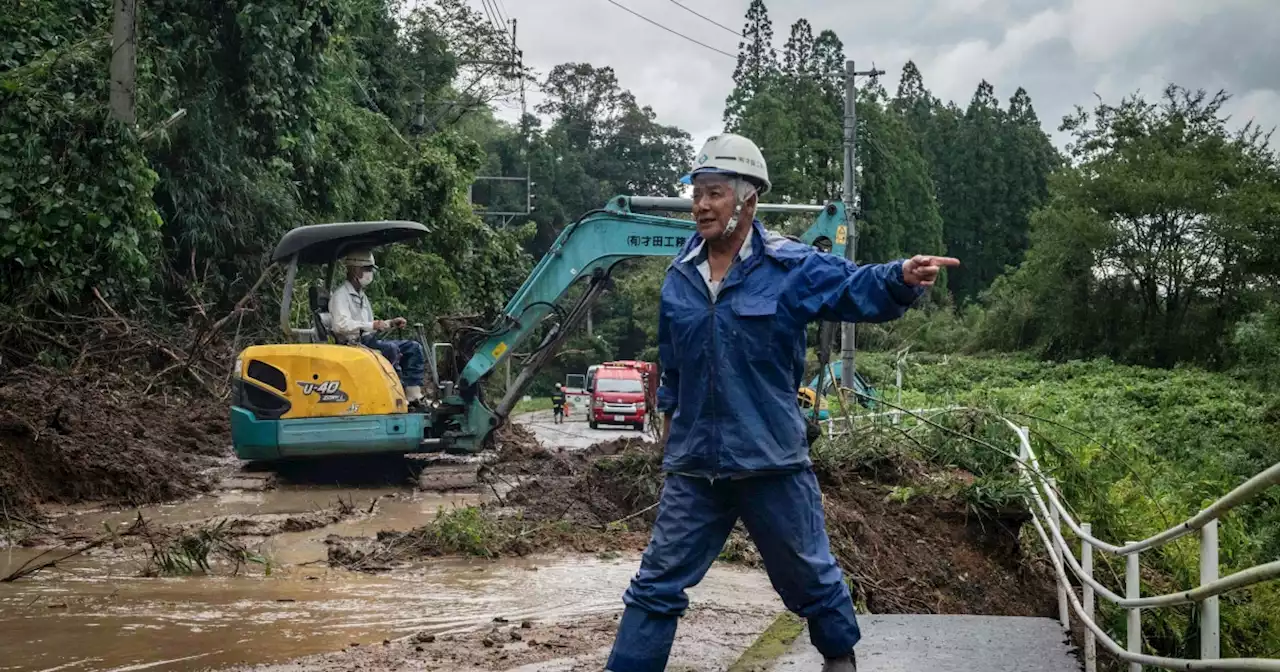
(571, 435)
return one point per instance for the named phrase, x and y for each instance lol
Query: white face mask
(366, 279)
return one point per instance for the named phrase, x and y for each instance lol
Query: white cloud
(954, 73)
(1102, 30)
(963, 6)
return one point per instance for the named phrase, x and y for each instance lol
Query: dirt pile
(926, 552)
(611, 483)
(931, 555)
(600, 499)
(68, 437)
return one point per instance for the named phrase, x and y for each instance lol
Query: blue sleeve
(833, 289)
(669, 388)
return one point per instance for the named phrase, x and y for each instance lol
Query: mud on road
(101, 609)
(443, 559)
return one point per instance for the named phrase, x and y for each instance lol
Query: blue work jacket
(731, 367)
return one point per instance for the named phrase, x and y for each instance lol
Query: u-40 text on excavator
(312, 397)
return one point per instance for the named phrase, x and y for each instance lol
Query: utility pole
(851, 74)
(124, 64)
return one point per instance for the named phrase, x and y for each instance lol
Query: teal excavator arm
(589, 248)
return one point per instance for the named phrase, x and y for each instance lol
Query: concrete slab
(932, 643)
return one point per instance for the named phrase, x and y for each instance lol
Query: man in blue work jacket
(731, 340)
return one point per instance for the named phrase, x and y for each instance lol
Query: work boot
(842, 664)
(413, 393)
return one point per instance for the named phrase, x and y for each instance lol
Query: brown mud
(929, 554)
(68, 438)
(710, 639)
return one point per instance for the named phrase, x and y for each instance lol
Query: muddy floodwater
(94, 612)
(84, 620)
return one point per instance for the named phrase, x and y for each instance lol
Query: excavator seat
(318, 302)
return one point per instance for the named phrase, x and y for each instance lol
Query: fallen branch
(123, 322)
(244, 300)
(28, 568)
(629, 516)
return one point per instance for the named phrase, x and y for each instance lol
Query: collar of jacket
(351, 289)
(687, 265)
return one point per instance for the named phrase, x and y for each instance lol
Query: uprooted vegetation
(599, 500)
(911, 535)
(101, 407)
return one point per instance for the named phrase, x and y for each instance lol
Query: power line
(705, 18)
(487, 11)
(492, 11)
(649, 20)
(503, 13)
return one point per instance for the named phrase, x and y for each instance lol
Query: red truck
(618, 397)
(648, 370)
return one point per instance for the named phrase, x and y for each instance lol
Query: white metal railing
(1049, 515)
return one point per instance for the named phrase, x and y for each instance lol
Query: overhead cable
(682, 35)
(681, 5)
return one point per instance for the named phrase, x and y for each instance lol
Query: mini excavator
(312, 397)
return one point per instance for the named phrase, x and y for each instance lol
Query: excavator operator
(731, 341)
(351, 312)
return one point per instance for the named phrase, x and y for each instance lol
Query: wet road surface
(94, 612)
(86, 620)
(573, 434)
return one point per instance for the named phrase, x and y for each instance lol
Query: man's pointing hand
(923, 269)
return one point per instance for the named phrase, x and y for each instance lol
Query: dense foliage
(1135, 451)
(1156, 243)
(294, 114)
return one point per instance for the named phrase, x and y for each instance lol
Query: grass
(1135, 450)
(532, 404)
(194, 551)
(770, 645)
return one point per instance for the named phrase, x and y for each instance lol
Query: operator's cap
(359, 258)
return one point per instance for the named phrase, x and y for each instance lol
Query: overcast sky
(1062, 51)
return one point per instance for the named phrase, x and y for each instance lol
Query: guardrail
(1049, 516)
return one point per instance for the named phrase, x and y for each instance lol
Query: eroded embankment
(927, 553)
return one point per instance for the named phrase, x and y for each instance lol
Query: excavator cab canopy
(323, 245)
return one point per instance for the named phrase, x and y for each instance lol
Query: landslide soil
(926, 555)
(102, 436)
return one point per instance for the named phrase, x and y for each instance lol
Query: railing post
(1055, 519)
(1090, 640)
(1133, 590)
(1210, 632)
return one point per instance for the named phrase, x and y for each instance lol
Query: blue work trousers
(783, 514)
(406, 356)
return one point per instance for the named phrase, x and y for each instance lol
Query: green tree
(975, 221)
(899, 209)
(294, 114)
(757, 63)
(1146, 251)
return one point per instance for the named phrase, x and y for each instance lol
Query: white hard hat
(733, 155)
(358, 258)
